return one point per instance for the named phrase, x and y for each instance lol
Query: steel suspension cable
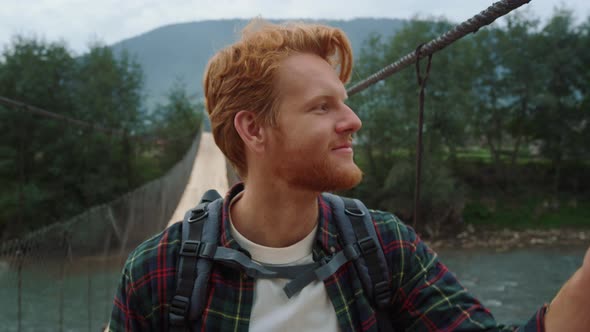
(39, 111)
(473, 24)
(419, 148)
(485, 17)
(18, 105)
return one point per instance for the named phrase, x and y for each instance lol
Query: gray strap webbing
(210, 234)
(355, 225)
(234, 257)
(292, 271)
(301, 275)
(349, 253)
(253, 269)
(347, 234)
(296, 285)
(202, 243)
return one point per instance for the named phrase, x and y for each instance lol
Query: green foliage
(529, 211)
(506, 90)
(31, 70)
(176, 123)
(507, 95)
(560, 123)
(51, 170)
(389, 112)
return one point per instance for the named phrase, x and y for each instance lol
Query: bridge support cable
(39, 111)
(473, 24)
(18, 105)
(419, 146)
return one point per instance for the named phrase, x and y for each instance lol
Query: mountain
(181, 51)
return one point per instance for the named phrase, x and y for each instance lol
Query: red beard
(308, 170)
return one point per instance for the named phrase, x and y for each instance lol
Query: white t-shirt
(309, 310)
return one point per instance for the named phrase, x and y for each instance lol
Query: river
(513, 285)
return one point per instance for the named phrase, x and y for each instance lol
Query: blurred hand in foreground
(570, 309)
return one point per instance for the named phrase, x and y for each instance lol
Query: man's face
(312, 147)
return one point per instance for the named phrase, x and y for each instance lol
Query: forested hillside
(181, 51)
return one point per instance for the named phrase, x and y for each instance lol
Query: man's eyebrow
(330, 96)
(325, 94)
(316, 98)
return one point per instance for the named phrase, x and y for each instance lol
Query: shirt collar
(327, 234)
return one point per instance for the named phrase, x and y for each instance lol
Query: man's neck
(275, 215)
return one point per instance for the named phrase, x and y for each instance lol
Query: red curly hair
(242, 76)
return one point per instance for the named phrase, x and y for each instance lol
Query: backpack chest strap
(328, 266)
(300, 275)
(237, 259)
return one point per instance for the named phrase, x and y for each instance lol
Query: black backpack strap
(198, 251)
(356, 227)
(200, 231)
(372, 252)
(374, 259)
(200, 234)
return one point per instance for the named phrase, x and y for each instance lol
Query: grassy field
(528, 211)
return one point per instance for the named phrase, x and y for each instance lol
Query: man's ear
(249, 130)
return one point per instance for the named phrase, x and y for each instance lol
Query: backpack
(199, 250)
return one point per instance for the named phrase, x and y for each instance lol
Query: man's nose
(350, 122)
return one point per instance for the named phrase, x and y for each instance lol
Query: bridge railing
(63, 277)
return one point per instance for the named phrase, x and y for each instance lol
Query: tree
(108, 93)
(176, 123)
(559, 119)
(505, 89)
(389, 113)
(53, 168)
(37, 73)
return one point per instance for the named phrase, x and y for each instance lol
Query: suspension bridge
(64, 275)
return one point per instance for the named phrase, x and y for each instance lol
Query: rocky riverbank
(506, 239)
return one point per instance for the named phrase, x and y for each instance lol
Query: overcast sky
(79, 22)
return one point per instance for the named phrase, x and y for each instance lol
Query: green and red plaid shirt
(427, 296)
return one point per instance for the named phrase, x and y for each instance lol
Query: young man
(276, 101)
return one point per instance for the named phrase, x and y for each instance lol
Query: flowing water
(514, 284)
(58, 296)
(78, 297)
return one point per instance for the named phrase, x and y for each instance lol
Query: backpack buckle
(354, 212)
(207, 250)
(190, 248)
(179, 306)
(367, 246)
(198, 213)
(382, 294)
(325, 260)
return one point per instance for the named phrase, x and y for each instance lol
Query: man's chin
(339, 180)
(323, 177)
(348, 182)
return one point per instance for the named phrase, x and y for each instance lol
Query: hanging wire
(39, 111)
(419, 146)
(18, 105)
(473, 24)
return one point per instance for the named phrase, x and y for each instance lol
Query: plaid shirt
(427, 296)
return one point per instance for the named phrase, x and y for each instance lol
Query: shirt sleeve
(126, 314)
(428, 297)
(147, 284)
